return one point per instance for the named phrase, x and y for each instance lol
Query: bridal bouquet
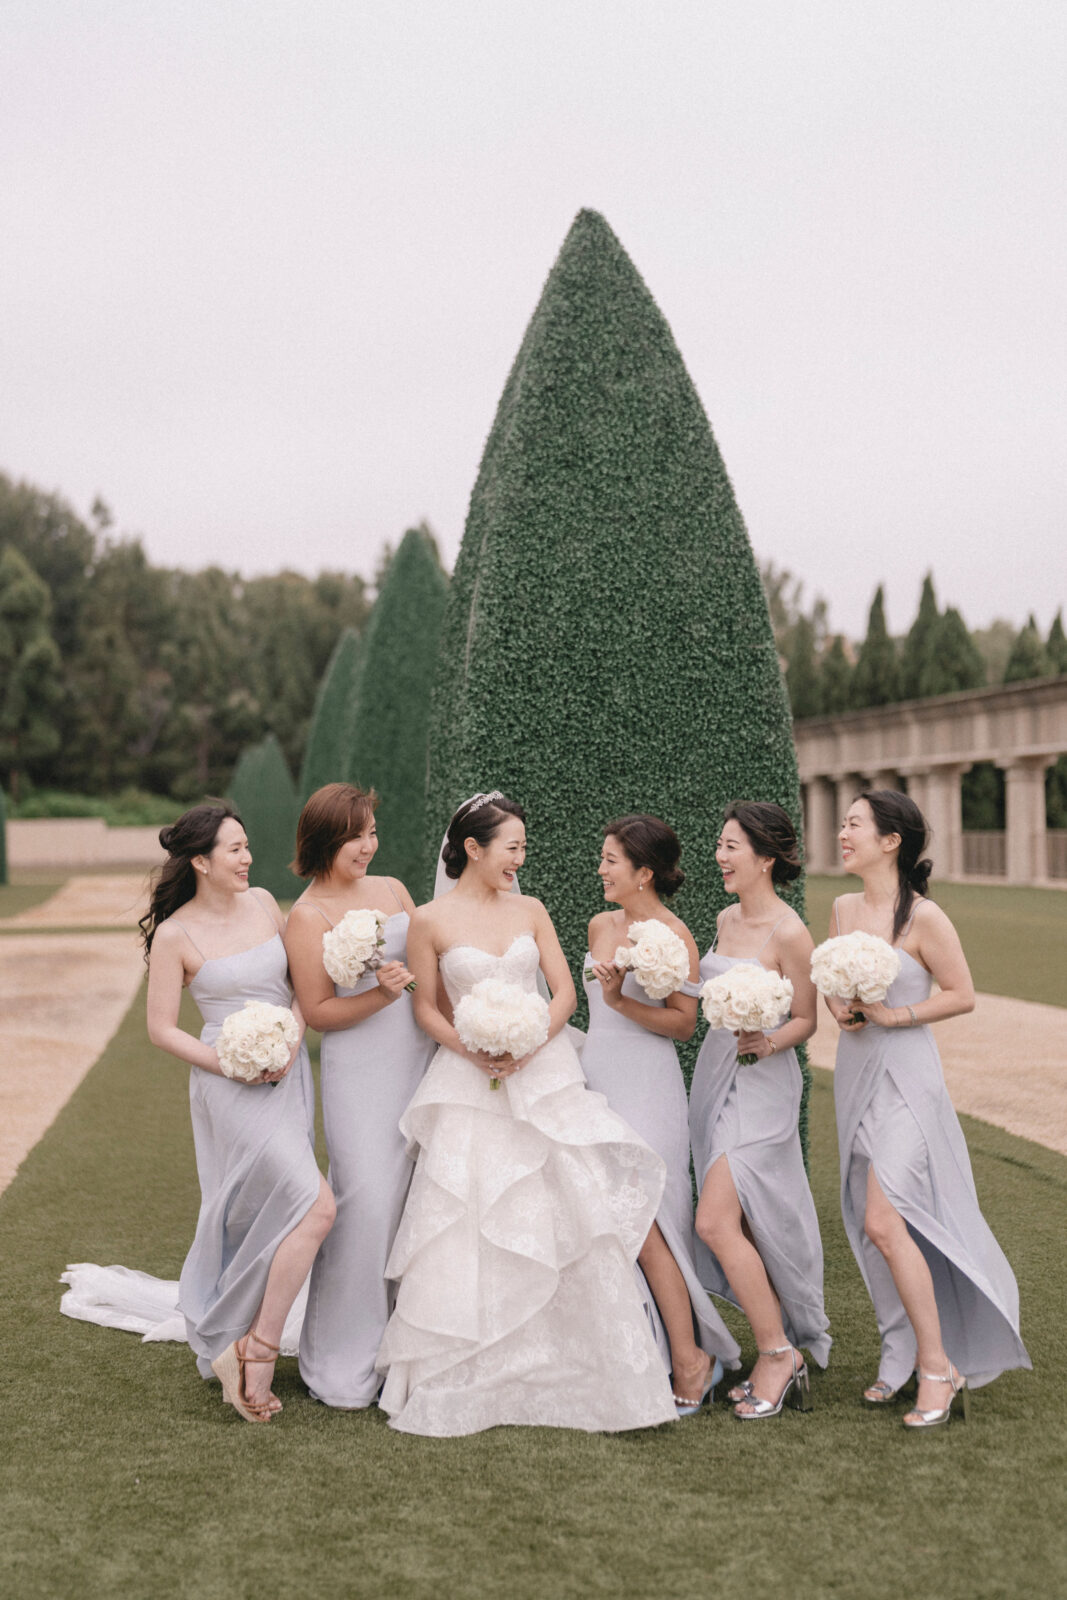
(854, 966)
(501, 1018)
(656, 956)
(746, 999)
(352, 948)
(260, 1038)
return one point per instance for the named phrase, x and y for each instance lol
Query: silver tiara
(483, 800)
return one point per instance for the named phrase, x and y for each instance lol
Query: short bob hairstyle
(334, 814)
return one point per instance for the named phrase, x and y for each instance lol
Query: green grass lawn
(16, 897)
(123, 1474)
(1014, 939)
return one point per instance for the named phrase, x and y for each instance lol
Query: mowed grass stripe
(123, 1475)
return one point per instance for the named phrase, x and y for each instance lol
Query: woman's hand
(610, 978)
(883, 1016)
(495, 1066)
(842, 1012)
(393, 978)
(755, 1044)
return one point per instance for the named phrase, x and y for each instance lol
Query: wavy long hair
(893, 812)
(193, 834)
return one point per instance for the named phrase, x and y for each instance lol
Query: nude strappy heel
(796, 1393)
(229, 1368)
(933, 1419)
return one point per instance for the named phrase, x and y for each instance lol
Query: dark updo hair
(648, 842)
(477, 819)
(893, 812)
(193, 834)
(770, 832)
(334, 814)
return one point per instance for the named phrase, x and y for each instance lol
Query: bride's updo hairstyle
(648, 842)
(334, 814)
(193, 834)
(770, 832)
(893, 812)
(477, 819)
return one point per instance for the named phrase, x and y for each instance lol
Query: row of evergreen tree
(825, 674)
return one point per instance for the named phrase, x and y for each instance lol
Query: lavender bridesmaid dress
(369, 1073)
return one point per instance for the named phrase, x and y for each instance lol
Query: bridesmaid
(265, 1207)
(758, 1235)
(630, 1058)
(943, 1292)
(373, 1057)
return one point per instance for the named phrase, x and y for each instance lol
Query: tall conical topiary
(263, 793)
(330, 733)
(392, 705)
(607, 646)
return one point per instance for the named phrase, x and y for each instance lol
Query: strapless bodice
(224, 984)
(464, 965)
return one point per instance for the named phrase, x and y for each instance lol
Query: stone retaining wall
(72, 844)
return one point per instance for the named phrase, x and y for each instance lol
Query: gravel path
(62, 996)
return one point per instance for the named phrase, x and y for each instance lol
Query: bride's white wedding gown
(517, 1300)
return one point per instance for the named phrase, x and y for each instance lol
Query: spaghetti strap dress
(369, 1072)
(640, 1077)
(748, 1116)
(255, 1158)
(894, 1114)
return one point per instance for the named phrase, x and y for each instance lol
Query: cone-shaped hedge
(330, 734)
(392, 706)
(262, 792)
(607, 646)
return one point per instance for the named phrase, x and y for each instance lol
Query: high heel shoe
(933, 1419)
(797, 1390)
(740, 1391)
(229, 1368)
(689, 1408)
(885, 1393)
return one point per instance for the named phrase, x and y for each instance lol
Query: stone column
(821, 826)
(1026, 845)
(944, 812)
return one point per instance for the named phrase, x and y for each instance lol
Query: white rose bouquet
(854, 966)
(499, 1018)
(354, 946)
(656, 956)
(746, 999)
(258, 1039)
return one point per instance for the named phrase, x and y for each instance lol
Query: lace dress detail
(516, 1300)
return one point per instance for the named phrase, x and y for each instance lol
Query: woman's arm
(557, 973)
(322, 1009)
(166, 979)
(423, 960)
(794, 947)
(675, 1019)
(941, 953)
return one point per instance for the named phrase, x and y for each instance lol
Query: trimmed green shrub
(262, 791)
(329, 736)
(392, 706)
(606, 646)
(3, 838)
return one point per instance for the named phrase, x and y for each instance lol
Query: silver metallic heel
(933, 1419)
(797, 1390)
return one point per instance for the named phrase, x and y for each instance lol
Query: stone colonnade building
(930, 744)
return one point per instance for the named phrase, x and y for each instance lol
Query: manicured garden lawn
(16, 897)
(1014, 939)
(123, 1475)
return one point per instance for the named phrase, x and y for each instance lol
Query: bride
(517, 1301)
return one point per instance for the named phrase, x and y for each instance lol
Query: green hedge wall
(606, 646)
(330, 733)
(392, 706)
(263, 792)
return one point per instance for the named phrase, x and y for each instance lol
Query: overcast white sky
(264, 266)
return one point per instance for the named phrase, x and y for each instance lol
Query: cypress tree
(919, 659)
(263, 792)
(30, 684)
(802, 672)
(1028, 657)
(959, 662)
(1056, 644)
(835, 678)
(329, 735)
(876, 680)
(391, 714)
(606, 646)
